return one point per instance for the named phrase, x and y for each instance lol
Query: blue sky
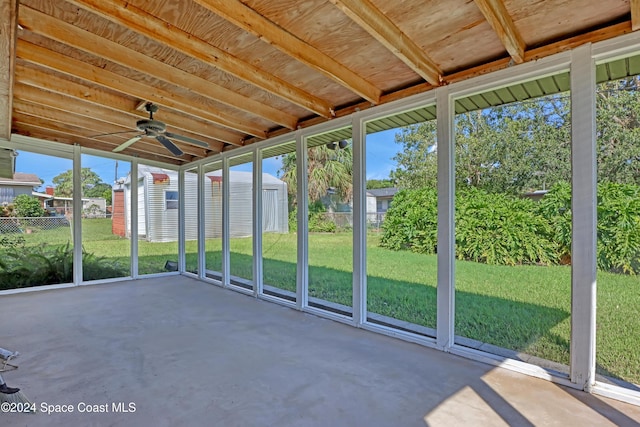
(380, 150)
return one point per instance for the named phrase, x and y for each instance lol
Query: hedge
(507, 230)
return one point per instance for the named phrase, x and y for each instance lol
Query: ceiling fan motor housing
(151, 127)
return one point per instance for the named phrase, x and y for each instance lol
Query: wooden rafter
(72, 67)
(635, 14)
(51, 82)
(251, 21)
(8, 28)
(126, 14)
(373, 21)
(497, 16)
(78, 38)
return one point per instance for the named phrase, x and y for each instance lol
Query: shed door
(269, 210)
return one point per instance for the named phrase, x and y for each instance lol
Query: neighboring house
(378, 202)
(158, 200)
(92, 207)
(22, 183)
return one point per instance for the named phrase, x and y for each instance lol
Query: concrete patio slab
(178, 352)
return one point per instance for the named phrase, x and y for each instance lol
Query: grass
(522, 308)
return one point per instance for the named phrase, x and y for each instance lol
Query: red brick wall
(118, 226)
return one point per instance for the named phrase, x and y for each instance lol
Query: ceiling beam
(376, 23)
(8, 31)
(64, 32)
(128, 15)
(96, 120)
(497, 16)
(96, 75)
(99, 98)
(251, 21)
(635, 14)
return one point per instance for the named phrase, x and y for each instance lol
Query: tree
(326, 169)
(527, 145)
(511, 148)
(25, 206)
(618, 130)
(417, 162)
(99, 190)
(64, 182)
(372, 184)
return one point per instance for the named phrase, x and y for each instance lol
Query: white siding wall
(240, 208)
(163, 222)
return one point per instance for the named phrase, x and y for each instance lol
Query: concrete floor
(190, 354)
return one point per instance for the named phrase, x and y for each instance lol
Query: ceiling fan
(158, 130)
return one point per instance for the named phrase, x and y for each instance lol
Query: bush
(318, 222)
(501, 229)
(490, 228)
(555, 207)
(24, 266)
(412, 221)
(619, 228)
(27, 206)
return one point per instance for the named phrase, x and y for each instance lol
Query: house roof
(235, 72)
(383, 192)
(23, 179)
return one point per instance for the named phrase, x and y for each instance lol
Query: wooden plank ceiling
(234, 72)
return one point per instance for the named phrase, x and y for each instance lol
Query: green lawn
(523, 308)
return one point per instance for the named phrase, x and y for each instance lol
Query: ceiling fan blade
(127, 143)
(187, 139)
(169, 145)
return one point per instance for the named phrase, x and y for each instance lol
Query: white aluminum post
(202, 231)
(133, 212)
(226, 264)
(182, 256)
(359, 221)
(77, 215)
(445, 331)
(302, 272)
(583, 208)
(257, 223)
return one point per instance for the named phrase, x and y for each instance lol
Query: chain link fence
(32, 225)
(344, 220)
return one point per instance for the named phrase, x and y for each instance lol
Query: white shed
(158, 200)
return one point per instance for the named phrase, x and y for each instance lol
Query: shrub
(619, 228)
(27, 206)
(24, 266)
(490, 228)
(318, 221)
(555, 207)
(412, 221)
(501, 229)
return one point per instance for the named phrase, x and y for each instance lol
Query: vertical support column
(77, 215)
(182, 248)
(226, 265)
(583, 208)
(202, 231)
(257, 222)
(302, 279)
(446, 220)
(359, 221)
(133, 184)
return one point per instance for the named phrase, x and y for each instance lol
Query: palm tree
(327, 169)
